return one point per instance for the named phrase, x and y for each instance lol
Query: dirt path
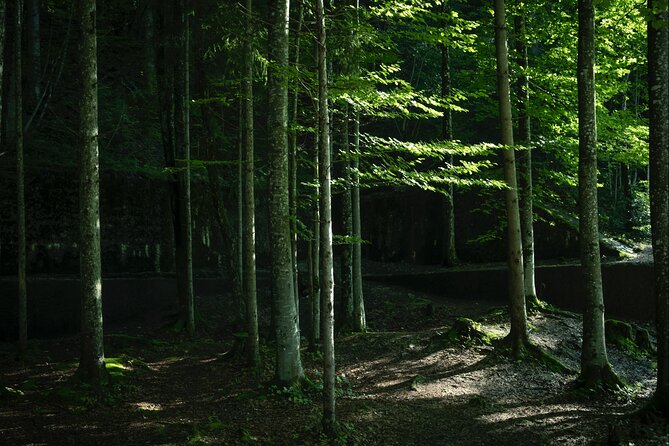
(396, 387)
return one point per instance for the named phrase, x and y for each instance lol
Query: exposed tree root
(600, 380)
(524, 350)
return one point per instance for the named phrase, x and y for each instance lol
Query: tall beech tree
(91, 363)
(286, 320)
(325, 208)
(518, 336)
(658, 95)
(20, 176)
(595, 368)
(525, 159)
(248, 209)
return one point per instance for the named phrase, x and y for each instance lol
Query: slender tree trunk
(293, 156)
(289, 365)
(182, 143)
(518, 335)
(249, 227)
(35, 53)
(325, 207)
(149, 47)
(20, 179)
(346, 253)
(658, 93)
(359, 318)
(91, 364)
(450, 254)
(2, 62)
(315, 334)
(595, 367)
(174, 112)
(525, 161)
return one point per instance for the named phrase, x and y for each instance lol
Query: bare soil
(398, 385)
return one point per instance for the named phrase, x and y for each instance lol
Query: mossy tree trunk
(595, 367)
(326, 255)
(91, 363)
(518, 336)
(658, 93)
(286, 320)
(525, 159)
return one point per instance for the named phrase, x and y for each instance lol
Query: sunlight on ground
(151, 407)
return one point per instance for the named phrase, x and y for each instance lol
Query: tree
(359, 318)
(91, 363)
(20, 177)
(175, 122)
(288, 362)
(595, 367)
(325, 208)
(525, 159)
(450, 254)
(248, 209)
(518, 336)
(658, 94)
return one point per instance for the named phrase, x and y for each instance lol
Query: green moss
(632, 339)
(464, 332)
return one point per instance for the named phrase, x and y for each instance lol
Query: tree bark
(658, 93)
(359, 318)
(518, 335)
(91, 363)
(595, 367)
(450, 253)
(175, 117)
(35, 53)
(315, 301)
(346, 253)
(248, 217)
(288, 362)
(525, 161)
(325, 207)
(293, 156)
(20, 178)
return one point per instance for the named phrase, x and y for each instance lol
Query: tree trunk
(359, 318)
(325, 206)
(293, 157)
(20, 179)
(315, 301)
(658, 93)
(595, 367)
(91, 364)
(450, 254)
(518, 335)
(2, 62)
(286, 320)
(346, 253)
(174, 112)
(525, 161)
(35, 53)
(248, 217)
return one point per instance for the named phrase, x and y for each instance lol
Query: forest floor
(399, 384)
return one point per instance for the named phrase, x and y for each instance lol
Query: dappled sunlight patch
(148, 407)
